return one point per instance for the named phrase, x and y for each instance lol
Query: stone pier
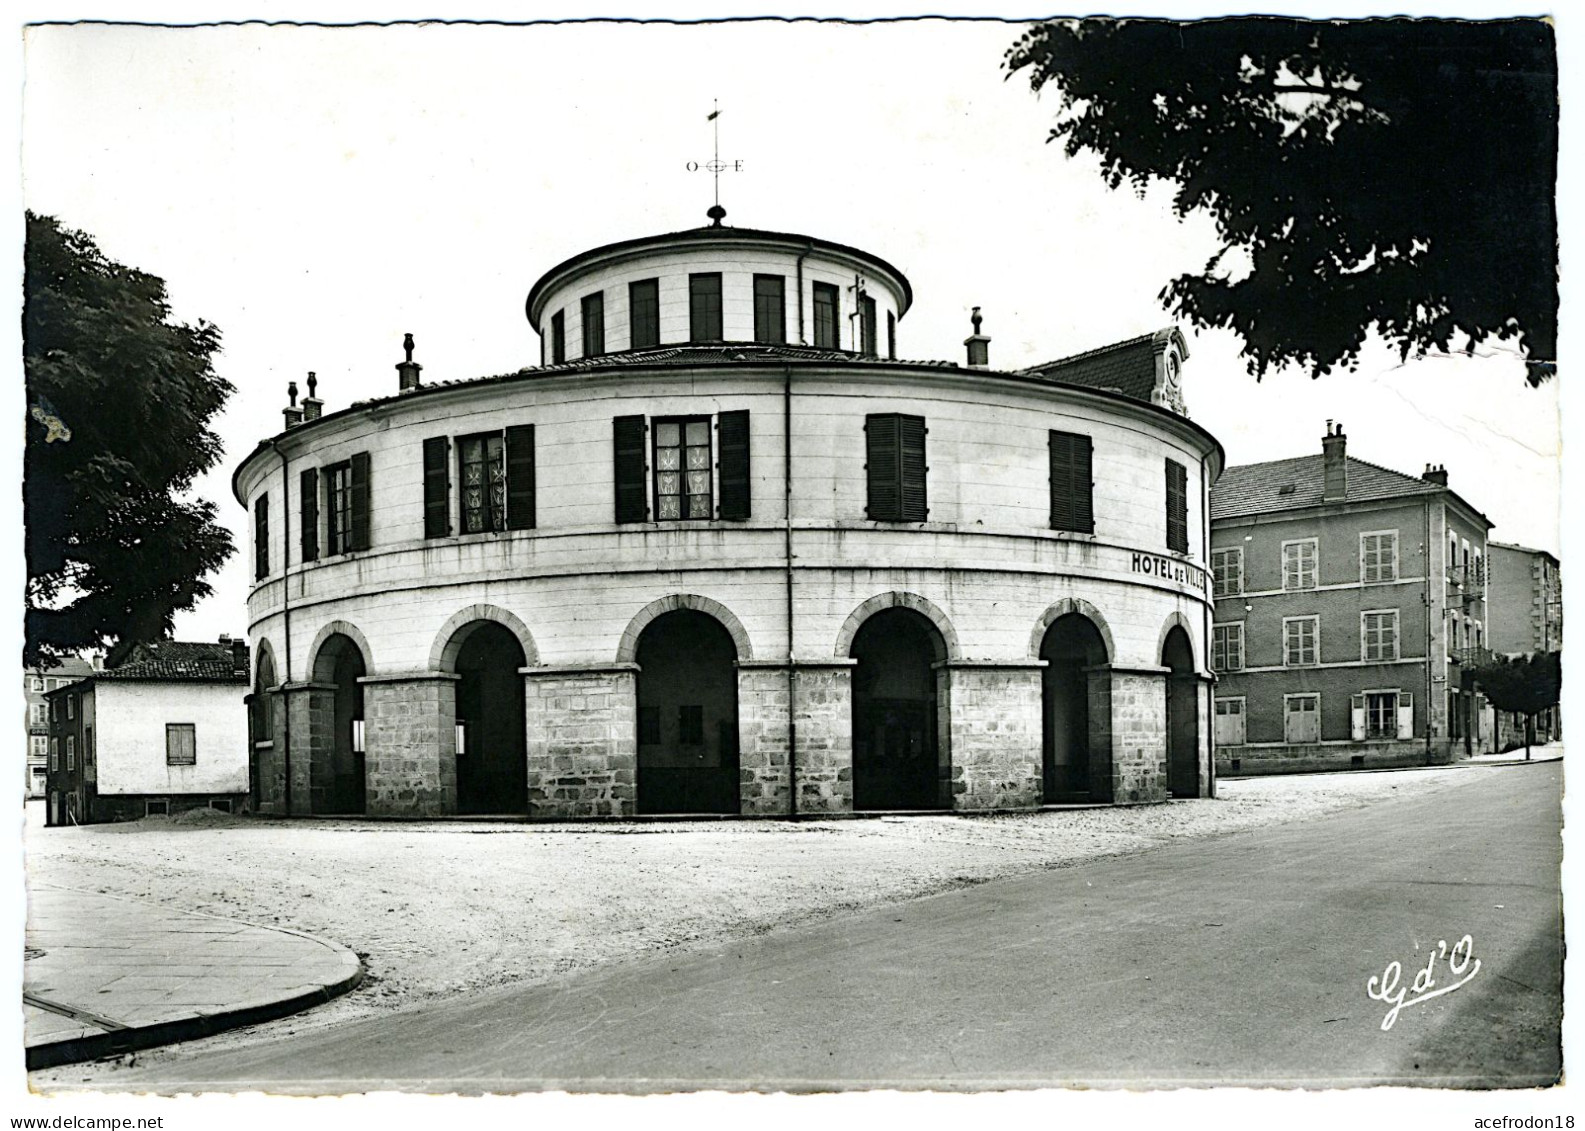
(582, 725)
(410, 746)
(995, 741)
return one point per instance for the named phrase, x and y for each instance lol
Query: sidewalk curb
(134, 1038)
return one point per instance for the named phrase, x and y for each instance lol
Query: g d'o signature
(1461, 964)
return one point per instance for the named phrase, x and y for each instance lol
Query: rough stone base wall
(410, 743)
(825, 740)
(996, 737)
(132, 807)
(763, 789)
(1100, 695)
(1308, 758)
(311, 709)
(582, 743)
(1139, 738)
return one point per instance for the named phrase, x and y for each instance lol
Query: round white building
(721, 552)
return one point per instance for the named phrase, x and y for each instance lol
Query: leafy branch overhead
(119, 403)
(1396, 174)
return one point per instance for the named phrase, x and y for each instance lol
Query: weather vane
(716, 166)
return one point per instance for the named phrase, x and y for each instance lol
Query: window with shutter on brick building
(1177, 507)
(826, 324)
(1301, 641)
(1072, 482)
(704, 307)
(1227, 566)
(1378, 631)
(895, 468)
(1227, 647)
(643, 312)
(71, 751)
(261, 538)
(1298, 564)
(594, 324)
(181, 744)
(770, 309)
(1378, 556)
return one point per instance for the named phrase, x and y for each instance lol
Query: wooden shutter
(881, 468)
(1405, 715)
(360, 502)
(437, 487)
(520, 477)
(1177, 507)
(733, 427)
(261, 538)
(911, 441)
(1072, 484)
(628, 445)
(308, 488)
(1356, 718)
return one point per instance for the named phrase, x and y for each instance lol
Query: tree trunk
(1529, 734)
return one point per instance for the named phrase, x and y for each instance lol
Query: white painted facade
(130, 718)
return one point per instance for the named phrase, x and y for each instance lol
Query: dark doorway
(1183, 715)
(337, 772)
(261, 727)
(1071, 645)
(687, 715)
(896, 746)
(492, 748)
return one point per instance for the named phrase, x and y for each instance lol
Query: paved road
(1238, 959)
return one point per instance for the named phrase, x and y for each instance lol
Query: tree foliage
(1390, 173)
(1527, 685)
(119, 401)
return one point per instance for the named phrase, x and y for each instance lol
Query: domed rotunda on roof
(722, 552)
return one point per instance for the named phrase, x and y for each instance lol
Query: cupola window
(825, 307)
(704, 307)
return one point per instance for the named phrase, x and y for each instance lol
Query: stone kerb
(582, 728)
(410, 767)
(995, 718)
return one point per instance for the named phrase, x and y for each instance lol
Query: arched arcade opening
(336, 776)
(899, 760)
(1183, 715)
(1071, 646)
(492, 744)
(687, 715)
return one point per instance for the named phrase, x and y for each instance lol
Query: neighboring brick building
(1526, 613)
(722, 552)
(35, 682)
(1338, 640)
(163, 731)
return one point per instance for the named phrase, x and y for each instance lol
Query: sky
(318, 192)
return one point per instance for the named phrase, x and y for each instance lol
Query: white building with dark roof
(723, 551)
(1349, 598)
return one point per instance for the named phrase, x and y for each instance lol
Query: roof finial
(407, 344)
(716, 167)
(313, 382)
(975, 319)
(291, 392)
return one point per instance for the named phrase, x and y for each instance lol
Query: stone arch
(1176, 620)
(891, 600)
(317, 670)
(450, 638)
(627, 649)
(264, 652)
(1082, 608)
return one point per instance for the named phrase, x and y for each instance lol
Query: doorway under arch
(492, 744)
(898, 758)
(337, 782)
(1071, 645)
(261, 726)
(687, 715)
(1183, 715)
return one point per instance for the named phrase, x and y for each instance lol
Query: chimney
(312, 405)
(239, 656)
(1436, 473)
(293, 412)
(979, 345)
(408, 370)
(1334, 460)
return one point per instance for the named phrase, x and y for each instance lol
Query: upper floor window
(496, 482)
(71, 706)
(482, 465)
(643, 312)
(704, 307)
(1464, 562)
(181, 744)
(261, 538)
(1378, 556)
(895, 467)
(55, 754)
(558, 337)
(1301, 641)
(682, 468)
(1378, 633)
(1177, 507)
(770, 309)
(1227, 647)
(1299, 564)
(1480, 576)
(71, 752)
(41, 713)
(1072, 483)
(346, 506)
(1227, 566)
(891, 335)
(825, 317)
(36, 683)
(867, 328)
(594, 324)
